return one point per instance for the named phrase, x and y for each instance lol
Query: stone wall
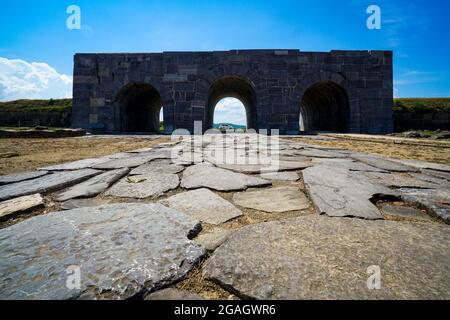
(270, 83)
(59, 119)
(404, 121)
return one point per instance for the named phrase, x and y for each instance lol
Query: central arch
(234, 87)
(325, 107)
(140, 107)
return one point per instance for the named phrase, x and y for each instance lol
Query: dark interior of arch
(234, 87)
(140, 108)
(325, 107)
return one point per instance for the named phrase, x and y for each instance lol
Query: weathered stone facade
(346, 91)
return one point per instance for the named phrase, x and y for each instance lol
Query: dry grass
(399, 151)
(34, 153)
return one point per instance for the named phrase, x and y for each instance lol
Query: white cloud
(23, 80)
(230, 110)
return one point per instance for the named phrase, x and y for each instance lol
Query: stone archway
(140, 105)
(235, 87)
(325, 107)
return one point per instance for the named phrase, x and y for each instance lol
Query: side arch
(332, 89)
(139, 105)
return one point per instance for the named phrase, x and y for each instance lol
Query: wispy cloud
(417, 77)
(36, 80)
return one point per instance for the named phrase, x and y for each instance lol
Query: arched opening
(324, 107)
(230, 112)
(232, 87)
(140, 108)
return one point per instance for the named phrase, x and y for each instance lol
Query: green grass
(36, 105)
(422, 105)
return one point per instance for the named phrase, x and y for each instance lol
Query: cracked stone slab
(439, 180)
(18, 177)
(318, 257)
(424, 165)
(405, 212)
(93, 186)
(343, 193)
(17, 205)
(281, 199)
(437, 201)
(76, 165)
(438, 174)
(204, 175)
(203, 205)
(149, 185)
(273, 166)
(162, 166)
(211, 241)
(130, 162)
(122, 250)
(83, 202)
(317, 153)
(383, 163)
(348, 164)
(171, 294)
(281, 176)
(45, 184)
(400, 180)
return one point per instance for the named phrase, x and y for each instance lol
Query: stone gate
(289, 90)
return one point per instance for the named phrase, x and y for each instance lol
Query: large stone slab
(93, 186)
(318, 257)
(317, 153)
(211, 241)
(437, 201)
(273, 166)
(163, 166)
(144, 186)
(130, 162)
(281, 199)
(400, 180)
(405, 212)
(76, 165)
(348, 164)
(47, 183)
(84, 202)
(17, 177)
(204, 175)
(423, 165)
(171, 294)
(281, 176)
(382, 163)
(203, 205)
(18, 205)
(122, 250)
(343, 193)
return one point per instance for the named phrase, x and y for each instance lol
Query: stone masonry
(340, 91)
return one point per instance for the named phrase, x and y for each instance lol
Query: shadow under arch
(235, 87)
(139, 107)
(325, 107)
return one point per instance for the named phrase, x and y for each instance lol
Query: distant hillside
(236, 126)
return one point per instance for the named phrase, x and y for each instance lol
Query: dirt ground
(19, 155)
(436, 153)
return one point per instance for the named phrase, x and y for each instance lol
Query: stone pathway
(289, 220)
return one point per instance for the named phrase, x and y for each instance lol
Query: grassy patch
(421, 105)
(36, 105)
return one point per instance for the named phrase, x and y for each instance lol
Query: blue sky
(36, 48)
